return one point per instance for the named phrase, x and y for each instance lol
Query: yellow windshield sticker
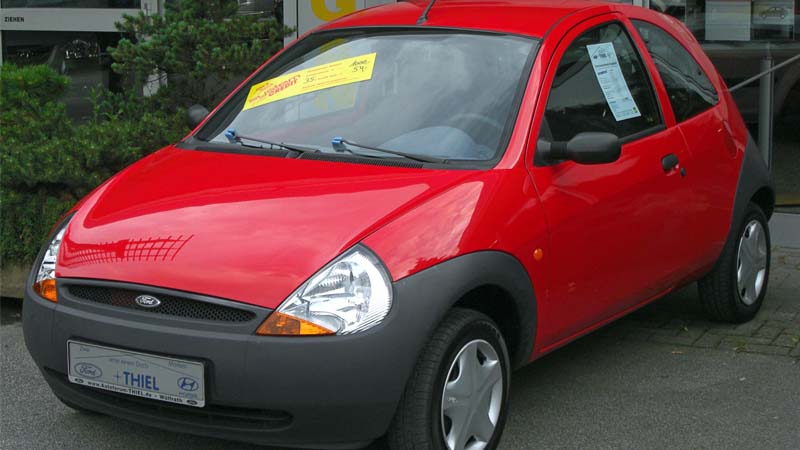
(337, 73)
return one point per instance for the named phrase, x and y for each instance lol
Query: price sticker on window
(612, 82)
(325, 76)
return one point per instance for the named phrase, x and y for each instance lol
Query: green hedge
(48, 163)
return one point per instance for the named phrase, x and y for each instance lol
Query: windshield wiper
(340, 145)
(236, 138)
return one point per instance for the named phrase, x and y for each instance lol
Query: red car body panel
(223, 224)
(511, 18)
(612, 236)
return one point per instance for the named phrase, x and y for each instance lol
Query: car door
(615, 229)
(699, 117)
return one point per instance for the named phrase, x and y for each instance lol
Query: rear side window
(600, 85)
(689, 89)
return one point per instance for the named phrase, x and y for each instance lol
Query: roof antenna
(424, 17)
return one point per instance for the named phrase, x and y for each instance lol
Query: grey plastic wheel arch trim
(451, 280)
(753, 176)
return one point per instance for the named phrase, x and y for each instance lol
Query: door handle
(669, 162)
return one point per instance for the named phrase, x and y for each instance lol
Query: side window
(689, 89)
(600, 85)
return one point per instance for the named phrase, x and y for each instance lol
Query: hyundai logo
(188, 384)
(88, 370)
(147, 301)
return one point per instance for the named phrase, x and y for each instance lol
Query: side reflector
(279, 324)
(46, 289)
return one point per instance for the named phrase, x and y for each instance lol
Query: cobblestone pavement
(679, 320)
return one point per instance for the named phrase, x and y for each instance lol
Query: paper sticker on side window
(337, 73)
(612, 82)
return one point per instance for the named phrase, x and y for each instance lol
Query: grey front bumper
(331, 392)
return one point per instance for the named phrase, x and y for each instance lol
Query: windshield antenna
(424, 17)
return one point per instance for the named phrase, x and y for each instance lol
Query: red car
(386, 218)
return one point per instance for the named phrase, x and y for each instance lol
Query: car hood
(242, 227)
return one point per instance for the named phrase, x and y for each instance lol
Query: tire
(723, 297)
(420, 422)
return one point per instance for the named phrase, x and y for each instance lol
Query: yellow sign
(337, 73)
(322, 11)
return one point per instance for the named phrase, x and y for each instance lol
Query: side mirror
(195, 114)
(585, 148)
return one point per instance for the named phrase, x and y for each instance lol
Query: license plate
(133, 373)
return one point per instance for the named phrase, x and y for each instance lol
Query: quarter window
(689, 89)
(600, 85)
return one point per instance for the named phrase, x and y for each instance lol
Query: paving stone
(787, 340)
(783, 323)
(746, 329)
(791, 283)
(708, 340)
(684, 339)
(614, 331)
(739, 342)
(650, 324)
(791, 307)
(767, 331)
(795, 352)
(766, 349)
(676, 324)
(640, 335)
(664, 331)
(707, 324)
(782, 316)
(791, 260)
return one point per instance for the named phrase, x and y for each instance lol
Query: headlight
(45, 282)
(351, 294)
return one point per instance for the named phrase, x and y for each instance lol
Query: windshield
(444, 95)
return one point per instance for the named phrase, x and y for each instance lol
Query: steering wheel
(476, 118)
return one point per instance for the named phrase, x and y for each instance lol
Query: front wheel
(457, 397)
(735, 289)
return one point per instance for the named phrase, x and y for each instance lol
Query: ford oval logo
(88, 370)
(188, 384)
(147, 301)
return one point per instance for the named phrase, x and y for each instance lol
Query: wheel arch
(492, 282)
(765, 199)
(500, 306)
(754, 184)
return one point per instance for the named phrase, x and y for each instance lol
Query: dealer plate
(133, 373)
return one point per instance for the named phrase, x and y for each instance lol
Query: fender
(437, 289)
(754, 175)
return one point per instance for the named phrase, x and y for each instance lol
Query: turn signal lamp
(45, 282)
(279, 323)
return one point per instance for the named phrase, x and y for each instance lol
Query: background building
(740, 36)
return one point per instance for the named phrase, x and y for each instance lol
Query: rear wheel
(457, 397)
(735, 289)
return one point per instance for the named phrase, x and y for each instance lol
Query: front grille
(170, 305)
(209, 415)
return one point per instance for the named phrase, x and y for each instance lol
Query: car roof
(525, 17)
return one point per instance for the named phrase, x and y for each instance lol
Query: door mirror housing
(589, 147)
(195, 114)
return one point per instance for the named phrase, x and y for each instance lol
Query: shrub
(48, 163)
(201, 47)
